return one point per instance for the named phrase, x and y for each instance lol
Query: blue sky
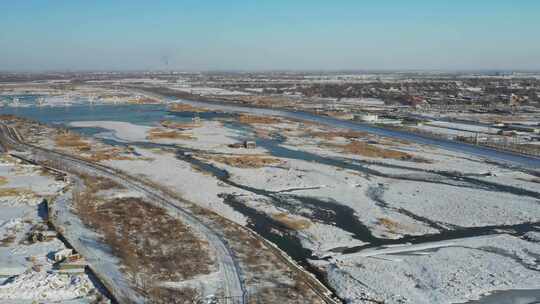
(269, 35)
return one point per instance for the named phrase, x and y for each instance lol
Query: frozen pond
(525, 296)
(137, 114)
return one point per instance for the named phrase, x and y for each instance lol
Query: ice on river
(465, 270)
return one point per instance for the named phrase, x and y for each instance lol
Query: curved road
(232, 283)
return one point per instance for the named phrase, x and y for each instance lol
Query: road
(508, 158)
(233, 286)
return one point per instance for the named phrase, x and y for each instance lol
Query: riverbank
(328, 192)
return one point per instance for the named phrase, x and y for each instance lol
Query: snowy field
(209, 136)
(331, 199)
(464, 127)
(208, 91)
(27, 273)
(455, 272)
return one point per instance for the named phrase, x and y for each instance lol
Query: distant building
(507, 132)
(415, 101)
(531, 129)
(367, 117)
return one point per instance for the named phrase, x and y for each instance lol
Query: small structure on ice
(185, 154)
(249, 144)
(43, 235)
(72, 267)
(63, 254)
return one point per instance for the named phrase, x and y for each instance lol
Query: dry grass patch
(264, 268)
(112, 154)
(3, 181)
(369, 150)
(244, 161)
(95, 184)
(7, 241)
(393, 142)
(199, 170)
(148, 241)
(179, 125)
(261, 100)
(6, 192)
(333, 134)
(389, 224)
(162, 295)
(152, 245)
(180, 107)
(157, 133)
(290, 222)
(252, 119)
(71, 140)
(261, 266)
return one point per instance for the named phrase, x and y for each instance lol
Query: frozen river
(149, 114)
(491, 154)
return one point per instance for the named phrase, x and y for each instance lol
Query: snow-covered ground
(446, 131)
(180, 176)
(436, 191)
(26, 269)
(468, 207)
(90, 245)
(441, 199)
(464, 127)
(363, 101)
(209, 136)
(456, 272)
(123, 131)
(206, 91)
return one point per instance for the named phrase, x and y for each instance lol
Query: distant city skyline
(245, 35)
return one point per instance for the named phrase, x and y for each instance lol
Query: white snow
(464, 270)
(464, 127)
(205, 91)
(45, 286)
(452, 272)
(124, 131)
(166, 169)
(18, 214)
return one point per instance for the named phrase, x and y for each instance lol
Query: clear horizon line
(314, 70)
